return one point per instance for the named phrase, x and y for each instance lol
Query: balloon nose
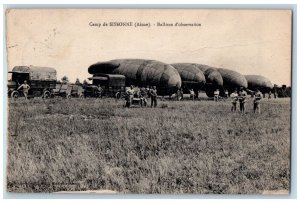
(215, 78)
(174, 81)
(200, 78)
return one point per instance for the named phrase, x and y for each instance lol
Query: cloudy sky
(248, 41)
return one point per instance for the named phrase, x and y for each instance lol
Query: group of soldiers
(141, 95)
(179, 94)
(240, 97)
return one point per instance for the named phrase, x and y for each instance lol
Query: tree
(77, 82)
(65, 79)
(85, 82)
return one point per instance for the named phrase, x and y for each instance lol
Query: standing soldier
(148, 91)
(100, 90)
(153, 93)
(181, 93)
(270, 93)
(137, 92)
(143, 96)
(192, 94)
(25, 89)
(234, 97)
(242, 99)
(178, 94)
(275, 93)
(226, 93)
(216, 95)
(129, 96)
(256, 101)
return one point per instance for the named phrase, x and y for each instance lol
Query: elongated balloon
(232, 80)
(141, 72)
(259, 82)
(191, 76)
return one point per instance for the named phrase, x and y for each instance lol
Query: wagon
(68, 90)
(42, 81)
(136, 101)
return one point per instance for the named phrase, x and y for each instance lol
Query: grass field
(179, 147)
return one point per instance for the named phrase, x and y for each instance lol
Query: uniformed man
(153, 94)
(270, 93)
(242, 99)
(256, 101)
(178, 94)
(234, 97)
(275, 94)
(192, 94)
(25, 87)
(100, 91)
(143, 94)
(181, 93)
(216, 95)
(137, 92)
(129, 96)
(226, 93)
(148, 91)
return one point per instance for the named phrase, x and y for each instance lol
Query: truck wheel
(14, 95)
(46, 95)
(68, 96)
(118, 95)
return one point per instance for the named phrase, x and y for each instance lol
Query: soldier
(242, 99)
(153, 93)
(143, 96)
(256, 101)
(234, 97)
(196, 93)
(181, 93)
(270, 93)
(129, 96)
(226, 93)
(216, 95)
(100, 90)
(178, 94)
(137, 92)
(148, 91)
(275, 94)
(25, 89)
(192, 94)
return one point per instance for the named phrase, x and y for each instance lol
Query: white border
(84, 3)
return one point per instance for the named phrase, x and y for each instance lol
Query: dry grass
(184, 147)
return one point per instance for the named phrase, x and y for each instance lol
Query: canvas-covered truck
(42, 81)
(112, 85)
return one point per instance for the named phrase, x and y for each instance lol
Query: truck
(113, 85)
(42, 81)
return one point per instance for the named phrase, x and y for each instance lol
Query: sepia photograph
(148, 101)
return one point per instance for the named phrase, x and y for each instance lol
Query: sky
(247, 41)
